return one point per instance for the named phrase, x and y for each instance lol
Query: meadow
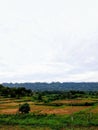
(69, 114)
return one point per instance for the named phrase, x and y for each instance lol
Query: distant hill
(56, 86)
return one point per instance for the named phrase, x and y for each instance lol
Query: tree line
(17, 92)
(14, 92)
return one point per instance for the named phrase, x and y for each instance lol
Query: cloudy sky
(48, 40)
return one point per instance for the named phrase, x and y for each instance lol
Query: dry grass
(9, 111)
(9, 106)
(64, 110)
(73, 101)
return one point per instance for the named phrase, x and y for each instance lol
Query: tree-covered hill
(56, 86)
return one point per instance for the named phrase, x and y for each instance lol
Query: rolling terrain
(56, 86)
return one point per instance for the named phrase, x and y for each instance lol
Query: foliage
(14, 92)
(57, 86)
(45, 96)
(49, 96)
(24, 108)
(57, 122)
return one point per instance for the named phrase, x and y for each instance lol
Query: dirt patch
(9, 111)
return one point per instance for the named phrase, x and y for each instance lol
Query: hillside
(56, 86)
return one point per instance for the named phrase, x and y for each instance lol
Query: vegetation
(50, 110)
(56, 122)
(45, 96)
(14, 92)
(49, 96)
(24, 108)
(56, 86)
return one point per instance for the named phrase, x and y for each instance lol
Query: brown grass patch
(66, 110)
(9, 111)
(73, 101)
(11, 107)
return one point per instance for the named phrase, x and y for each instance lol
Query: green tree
(24, 108)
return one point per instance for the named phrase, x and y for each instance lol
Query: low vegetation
(83, 119)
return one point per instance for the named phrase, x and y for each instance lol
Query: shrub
(24, 108)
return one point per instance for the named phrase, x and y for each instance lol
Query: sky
(48, 41)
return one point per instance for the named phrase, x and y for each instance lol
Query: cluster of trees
(14, 92)
(48, 96)
(45, 96)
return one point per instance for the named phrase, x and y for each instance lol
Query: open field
(69, 114)
(9, 106)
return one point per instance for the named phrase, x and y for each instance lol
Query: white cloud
(48, 40)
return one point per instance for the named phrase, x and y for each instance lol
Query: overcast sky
(48, 40)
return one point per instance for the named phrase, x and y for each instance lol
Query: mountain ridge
(56, 86)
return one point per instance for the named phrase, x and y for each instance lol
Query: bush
(24, 108)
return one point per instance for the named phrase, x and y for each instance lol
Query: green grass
(17, 127)
(82, 119)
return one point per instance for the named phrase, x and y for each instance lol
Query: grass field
(76, 114)
(45, 128)
(10, 106)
